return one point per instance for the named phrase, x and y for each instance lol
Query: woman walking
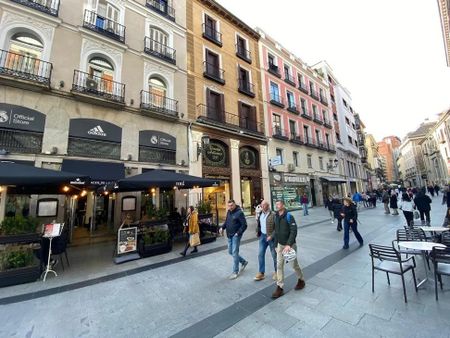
(350, 215)
(192, 229)
(407, 206)
(393, 203)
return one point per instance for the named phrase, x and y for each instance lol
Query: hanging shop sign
(21, 118)
(127, 240)
(157, 139)
(248, 158)
(95, 129)
(215, 155)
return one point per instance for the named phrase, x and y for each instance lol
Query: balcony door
(101, 71)
(212, 64)
(108, 16)
(244, 79)
(241, 46)
(215, 106)
(25, 53)
(158, 92)
(277, 124)
(293, 128)
(247, 117)
(158, 41)
(210, 27)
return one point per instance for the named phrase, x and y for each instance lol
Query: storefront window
(218, 197)
(17, 205)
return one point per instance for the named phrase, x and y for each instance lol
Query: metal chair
(445, 238)
(410, 234)
(391, 262)
(441, 262)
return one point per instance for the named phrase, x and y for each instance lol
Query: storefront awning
(333, 179)
(101, 173)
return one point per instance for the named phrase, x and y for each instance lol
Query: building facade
(444, 11)
(302, 149)
(389, 149)
(366, 168)
(99, 85)
(225, 106)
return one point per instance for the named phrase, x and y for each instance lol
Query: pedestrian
(285, 233)
(264, 229)
(258, 210)
(191, 228)
(305, 201)
(423, 204)
(407, 206)
(329, 206)
(357, 198)
(431, 190)
(393, 203)
(350, 214)
(436, 189)
(337, 209)
(385, 200)
(235, 226)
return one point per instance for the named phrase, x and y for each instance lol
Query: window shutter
(209, 105)
(222, 108)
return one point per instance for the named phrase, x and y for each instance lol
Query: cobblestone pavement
(194, 298)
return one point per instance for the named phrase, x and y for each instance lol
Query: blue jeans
(263, 244)
(233, 250)
(305, 209)
(354, 227)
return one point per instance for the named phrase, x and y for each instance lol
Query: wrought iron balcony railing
(245, 87)
(318, 119)
(104, 26)
(302, 87)
(293, 109)
(279, 133)
(24, 67)
(45, 6)
(159, 50)
(243, 53)
(162, 8)
(212, 34)
(309, 141)
(276, 100)
(314, 95)
(306, 114)
(324, 100)
(213, 72)
(159, 104)
(327, 123)
(273, 69)
(296, 138)
(98, 86)
(288, 78)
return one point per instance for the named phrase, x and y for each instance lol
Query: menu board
(127, 240)
(52, 230)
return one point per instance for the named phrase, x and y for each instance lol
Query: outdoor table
(434, 229)
(424, 247)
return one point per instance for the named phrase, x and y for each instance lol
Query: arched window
(102, 71)
(27, 44)
(157, 87)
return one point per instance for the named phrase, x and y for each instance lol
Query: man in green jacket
(285, 233)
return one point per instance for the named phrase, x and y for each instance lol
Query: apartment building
(389, 149)
(444, 12)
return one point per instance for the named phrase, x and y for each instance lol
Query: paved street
(194, 298)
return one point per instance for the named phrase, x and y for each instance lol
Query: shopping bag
(194, 240)
(416, 214)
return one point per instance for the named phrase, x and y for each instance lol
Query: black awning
(101, 173)
(26, 175)
(333, 179)
(164, 179)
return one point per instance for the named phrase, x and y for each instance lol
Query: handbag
(416, 214)
(194, 240)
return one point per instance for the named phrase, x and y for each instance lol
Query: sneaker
(300, 284)
(243, 267)
(274, 276)
(332, 221)
(259, 276)
(361, 244)
(277, 293)
(345, 247)
(233, 276)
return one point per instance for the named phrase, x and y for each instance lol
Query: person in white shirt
(407, 206)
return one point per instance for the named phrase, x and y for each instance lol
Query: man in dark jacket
(423, 204)
(337, 209)
(285, 233)
(235, 225)
(350, 215)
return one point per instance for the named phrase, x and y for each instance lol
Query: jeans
(263, 244)
(280, 265)
(233, 249)
(386, 208)
(354, 227)
(305, 209)
(409, 216)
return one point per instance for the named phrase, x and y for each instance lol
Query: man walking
(385, 199)
(235, 225)
(285, 232)
(305, 201)
(264, 229)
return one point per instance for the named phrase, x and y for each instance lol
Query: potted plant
(155, 239)
(18, 265)
(19, 229)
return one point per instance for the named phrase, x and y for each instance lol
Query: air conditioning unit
(291, 167)
(91, 84)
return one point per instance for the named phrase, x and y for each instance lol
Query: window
(295, 158)
(335, 117)
(353, 126)
(301, 80)
(292, 127)
(212, 62)
(318, 136)
(350, 140)
(277, 123)
(303, 104)
(321, 163)
(291, 99)
(244, 80)
(26, 44)
(272, 62)
(321, 93)
(247, 116)
(338, 137)
(324, 115)
(345, 103)
(158, 92)
(287, 73)
(306, 134)
(327, 138)
(279, 152)
(347, 121)
(332, 98)
(211, 29)
(351, 110)
(241, 47)
(274, 92)
(102, 71)
(215, 106)
(309, 161)
(314, 108)
(311, 86)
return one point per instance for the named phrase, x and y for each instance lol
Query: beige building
(224, 104)
(444, 11)
(96, 85)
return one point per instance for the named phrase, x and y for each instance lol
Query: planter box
(20, 275)
(153, 249)
(23, 238)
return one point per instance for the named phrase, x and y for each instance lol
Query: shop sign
(296, 179)
(276, 178)
(21, 118)
(157, 139)
(276, 161)
(248, 158)
(215, 155)
(127, 240)
(95, 129)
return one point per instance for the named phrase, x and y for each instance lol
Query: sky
(388, 53)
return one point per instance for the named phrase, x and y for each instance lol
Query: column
(235, 171)
(195, 165)
(3, 190)
(265, 180)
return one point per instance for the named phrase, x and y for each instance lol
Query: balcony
(211, 34)
(314, 95)
(104, 26)
(213, 72)
(288, 78)
(324, 100)
(216, 117)
(317, 119)
(305, 114)
(273, 69)
(302, 87)
(276, 100)
(309, 142)
(245, 87)
(159, 104)
(159, 50)
(50, 7)
(243, 53)
(321, 145)
(296, 138)
(331, 148)
(161, 7)
(99, 87)
(279, 133)
(327, 124)
(293, 109)
(25, 68)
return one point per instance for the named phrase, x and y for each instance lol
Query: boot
(183, 253)
(277, 293)
(195, 250)
(300, 284)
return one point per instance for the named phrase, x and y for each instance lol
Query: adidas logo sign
(98, 131)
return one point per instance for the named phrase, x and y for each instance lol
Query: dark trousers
(425, 214)
(339, 225)
(354, 227)
(409, 216)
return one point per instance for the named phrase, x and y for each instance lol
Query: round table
(424, 247)
(435, 229)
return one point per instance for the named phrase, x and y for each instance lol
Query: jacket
(350, 213)
(393, 201)
(337, 208)
(423, 202)
(385, 197)
(304, 200)
(235, 222)
(270, 222)
(193, 223)
(285, 230)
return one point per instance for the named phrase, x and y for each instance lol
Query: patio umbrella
(163, 179)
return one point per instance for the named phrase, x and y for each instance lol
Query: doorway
(246, 195)
(313, 193)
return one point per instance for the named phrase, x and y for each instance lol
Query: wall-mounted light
(66, 188)
(83, 193)
(204, 145)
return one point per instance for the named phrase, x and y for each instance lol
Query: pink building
(299, 126)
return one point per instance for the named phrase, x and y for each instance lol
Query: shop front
(289, 188)
(332, 186)
(250, 171)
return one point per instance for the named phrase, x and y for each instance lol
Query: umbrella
(163, 179)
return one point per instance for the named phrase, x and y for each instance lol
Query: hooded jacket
(235, 223)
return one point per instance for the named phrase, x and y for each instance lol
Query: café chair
(390, 261)
(445, 238)
(441, 262)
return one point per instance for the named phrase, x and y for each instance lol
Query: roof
(422, 130)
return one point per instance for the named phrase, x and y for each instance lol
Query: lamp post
(204, 145)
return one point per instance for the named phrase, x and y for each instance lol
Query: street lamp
(204, 145)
